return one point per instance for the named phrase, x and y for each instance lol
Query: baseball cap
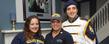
(56, 16)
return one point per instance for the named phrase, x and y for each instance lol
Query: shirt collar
(72, 20)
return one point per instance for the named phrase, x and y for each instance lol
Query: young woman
(31, 33)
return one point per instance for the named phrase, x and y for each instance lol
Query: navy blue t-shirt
(62, 38)
(19, 39)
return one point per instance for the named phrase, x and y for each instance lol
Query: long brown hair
(28, 34)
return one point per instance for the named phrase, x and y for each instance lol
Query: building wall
(85, 9)
(99, 3)
(6, 7)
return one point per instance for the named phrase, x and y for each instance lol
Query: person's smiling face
(56, 25)
(72, 11)
(34, 25)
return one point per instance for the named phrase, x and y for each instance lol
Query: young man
(57, 34)
(76, 26)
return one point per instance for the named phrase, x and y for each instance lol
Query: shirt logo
(59, 41)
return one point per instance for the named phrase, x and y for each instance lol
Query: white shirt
(77, 29)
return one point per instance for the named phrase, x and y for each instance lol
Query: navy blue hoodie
(19, 39)
(62, 38)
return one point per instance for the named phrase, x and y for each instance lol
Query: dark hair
(28, 34)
